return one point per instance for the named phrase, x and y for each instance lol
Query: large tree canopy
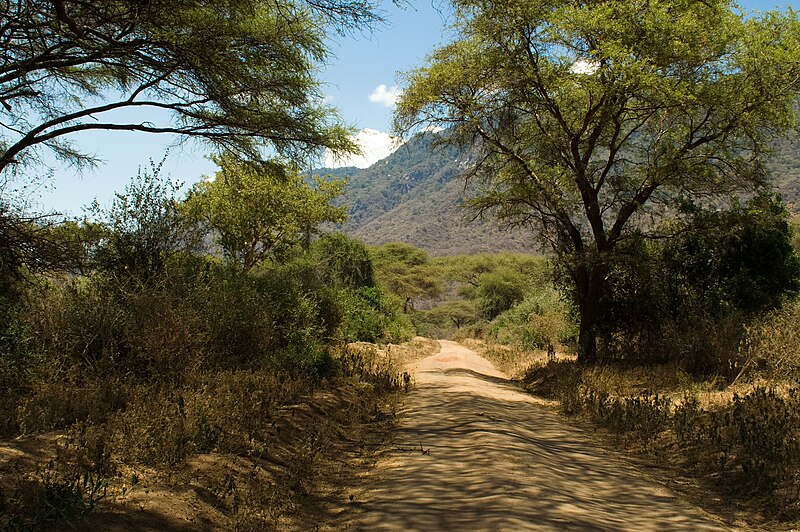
(237, 73)
(596, 117)
(256, 210)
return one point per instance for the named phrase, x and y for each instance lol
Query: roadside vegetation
(698, 368)
(643, 174)
(215, 339)
(168, 338)
(136, 351)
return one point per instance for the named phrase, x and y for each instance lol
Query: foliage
(739, 258)
(238, 75)
(371, 315)
(467, 270)
(647, 415)
(26, 245)
(764, 429)
(540, 321)
(474, 289)
(79, 241)
(62, 495)
(498, 291)
(344, 261)
(398, 252)
(721, 269)
(406, 271)
(141, 229)
(587, 127)
(206, 359)
(257, 210)
(457, 313)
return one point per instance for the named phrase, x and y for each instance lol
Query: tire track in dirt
(473, 452)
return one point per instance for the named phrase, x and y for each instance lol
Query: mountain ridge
(417, 194)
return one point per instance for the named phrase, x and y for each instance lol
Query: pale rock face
(375, 145)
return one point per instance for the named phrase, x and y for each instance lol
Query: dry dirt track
(494, 459)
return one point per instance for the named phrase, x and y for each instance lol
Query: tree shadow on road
(475, 453)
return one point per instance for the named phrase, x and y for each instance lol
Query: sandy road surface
(474, 453)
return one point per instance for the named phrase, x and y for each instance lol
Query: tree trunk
(587, 340)
(590, 280)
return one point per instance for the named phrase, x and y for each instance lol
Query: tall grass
(742, 442)
(201, 358)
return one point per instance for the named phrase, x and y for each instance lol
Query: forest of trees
(175, 323)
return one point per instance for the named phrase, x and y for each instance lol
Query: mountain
(415, 195)
(784, 168)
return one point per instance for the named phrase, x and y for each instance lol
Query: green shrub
(371, 315)
(765, 430)
(540, 321)
(687, 298)
(343, 261)
(498, 291)
(142, 228)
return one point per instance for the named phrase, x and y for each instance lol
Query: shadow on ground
(475, 453)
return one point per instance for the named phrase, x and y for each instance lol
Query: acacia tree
(238, 73)
(136, 236)
(258, 209)
(594, 118)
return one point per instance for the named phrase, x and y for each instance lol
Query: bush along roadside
(743, 446)
(119, 381)
(273, 437)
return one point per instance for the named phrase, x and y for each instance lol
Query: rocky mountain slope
(416, 195)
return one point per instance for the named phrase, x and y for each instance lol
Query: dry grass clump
(771, 345)
(271, 432)
(742, 442)
(513, 360)
(396, 355)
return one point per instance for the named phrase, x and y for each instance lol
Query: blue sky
(358, 66)
(359, 80)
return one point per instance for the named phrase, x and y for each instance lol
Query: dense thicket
(687, 297)
(149, 308)
(589, 127)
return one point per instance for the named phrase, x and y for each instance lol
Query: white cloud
(387, 96)
(432, 129)
(582, 66)
(375, 145)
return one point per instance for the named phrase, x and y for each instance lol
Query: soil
(473, 452)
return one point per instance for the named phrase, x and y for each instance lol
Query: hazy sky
(360, 80)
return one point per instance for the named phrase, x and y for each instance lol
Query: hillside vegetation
(416, 195)
(699, 373)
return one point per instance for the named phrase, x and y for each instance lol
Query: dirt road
(474, 453)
